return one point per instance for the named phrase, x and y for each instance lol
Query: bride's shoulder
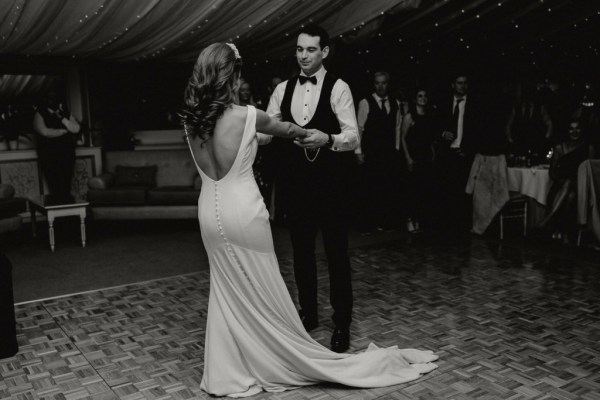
(234, 114)
(239, 110)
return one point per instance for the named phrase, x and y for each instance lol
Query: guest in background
(417, 143)
(13, 129)
(245, 95)
(557, 102)
(264, 102)
(561, 217)
(459, 120)
(529, 127)
(379, 121)
(56, 132)
(587, 111)
(403, 104)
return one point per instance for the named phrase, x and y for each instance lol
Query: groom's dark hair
(316, 30)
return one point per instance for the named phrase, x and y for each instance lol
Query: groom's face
(309, 53)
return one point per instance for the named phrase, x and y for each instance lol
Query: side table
(53, 211)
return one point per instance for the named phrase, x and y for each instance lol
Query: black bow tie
(303, 79)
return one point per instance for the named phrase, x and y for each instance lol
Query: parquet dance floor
(520, 325)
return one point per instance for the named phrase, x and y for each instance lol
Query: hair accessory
(235, 50)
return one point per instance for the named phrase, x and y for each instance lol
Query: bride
(254, 337)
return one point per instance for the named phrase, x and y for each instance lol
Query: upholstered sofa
(146, 184)
(10, 209)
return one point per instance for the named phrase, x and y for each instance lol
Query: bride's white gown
(254, 338)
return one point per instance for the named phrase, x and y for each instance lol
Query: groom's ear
(325, 51)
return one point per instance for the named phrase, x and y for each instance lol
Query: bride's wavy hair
(211, 89)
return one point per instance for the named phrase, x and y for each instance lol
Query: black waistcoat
(319, 183)
(380, 128)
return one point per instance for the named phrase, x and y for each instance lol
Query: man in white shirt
(379, 122)
(316, 173)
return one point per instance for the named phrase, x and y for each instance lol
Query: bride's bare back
(216, 155)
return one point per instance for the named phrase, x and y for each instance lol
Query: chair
(516, 207)
(588, 199)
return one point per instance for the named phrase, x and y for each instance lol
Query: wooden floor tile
(508, 323)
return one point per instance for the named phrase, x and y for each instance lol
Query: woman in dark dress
(56, 129)
(562, 197)
(417, 140)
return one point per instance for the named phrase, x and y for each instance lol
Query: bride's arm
(270, 126)
(263, 139)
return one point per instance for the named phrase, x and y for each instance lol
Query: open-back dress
(254, 337)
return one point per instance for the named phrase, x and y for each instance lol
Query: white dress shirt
(304, 104)
(363, 114)
(461, 117)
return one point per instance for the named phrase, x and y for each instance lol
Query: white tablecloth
(532, 182)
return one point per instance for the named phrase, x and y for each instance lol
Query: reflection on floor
(507, 323)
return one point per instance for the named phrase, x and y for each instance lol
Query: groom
(316, 178)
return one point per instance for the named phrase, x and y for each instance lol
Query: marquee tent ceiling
(176, 30)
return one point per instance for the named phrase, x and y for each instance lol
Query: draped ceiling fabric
(176, 30)
(126, 30)
(12, 86)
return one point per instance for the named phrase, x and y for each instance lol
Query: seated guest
(561, 203)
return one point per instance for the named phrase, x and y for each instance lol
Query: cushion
(173, 195)
(102, 181)
(117, 196)
(135, 176)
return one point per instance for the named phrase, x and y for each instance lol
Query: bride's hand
(298, 132)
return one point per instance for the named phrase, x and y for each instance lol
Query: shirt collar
(377, 97)
(320, 74)
(464, 98)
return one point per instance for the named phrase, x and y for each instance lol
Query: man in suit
(379, 119)
(459, 131)
(317, 172)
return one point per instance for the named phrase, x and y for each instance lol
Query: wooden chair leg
(525, 219)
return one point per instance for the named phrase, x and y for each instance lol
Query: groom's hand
(313, 140)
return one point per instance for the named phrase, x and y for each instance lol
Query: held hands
(313, 140)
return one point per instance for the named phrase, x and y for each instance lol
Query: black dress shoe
(340, 340)
(308, 323)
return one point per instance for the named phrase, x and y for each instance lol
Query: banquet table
(533, 182)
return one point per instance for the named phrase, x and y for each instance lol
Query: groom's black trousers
(303, 232)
